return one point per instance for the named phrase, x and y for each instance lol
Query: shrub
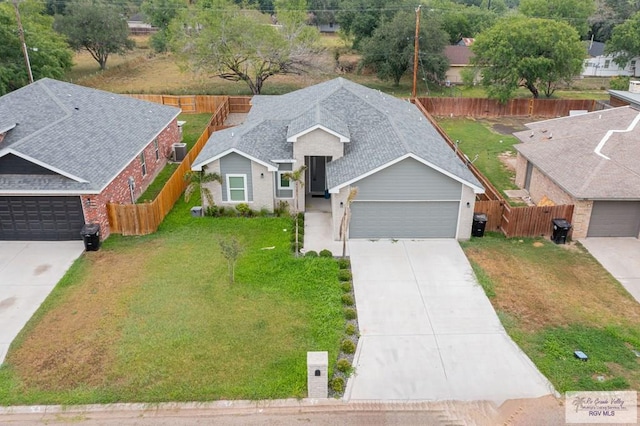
(293, 246)
(301, 218)
(337, 384)
(619, 83)
(311, 253)
(347, 299)
(344, 263)
(326, 253)
(350, 313)
(282, 209)
(346, 286)
(347, 346)
(343, 274)
(211, 211)
(343, 365)
(350, 329)
(243, 209)
(264, 212)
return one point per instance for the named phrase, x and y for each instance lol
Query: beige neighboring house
(591, 161)
(459, 57)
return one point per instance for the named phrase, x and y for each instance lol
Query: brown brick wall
(94, 206)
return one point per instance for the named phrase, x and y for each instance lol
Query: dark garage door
(40, 218)
(614, 219)
(402, 219)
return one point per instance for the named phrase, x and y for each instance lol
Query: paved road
(29, 270)
(619, 256)
(428, 332)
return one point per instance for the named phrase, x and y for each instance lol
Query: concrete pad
(431, 333)
(619, 256)
(318, 233)
(400, 300)
(29, 271)
(400, 368)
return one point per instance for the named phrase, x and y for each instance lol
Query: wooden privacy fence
(143, 219)
(200, 103)
(476, 107)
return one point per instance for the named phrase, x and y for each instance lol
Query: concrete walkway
(428, 332)
(29, 270)
(318, 225)
(619, 256)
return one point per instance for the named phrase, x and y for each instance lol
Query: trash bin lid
(480, 217)
(562, 223)
(90, 228)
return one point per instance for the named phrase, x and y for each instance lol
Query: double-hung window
(237, 188)
(156, 148)
(283, 181)
(143, 164)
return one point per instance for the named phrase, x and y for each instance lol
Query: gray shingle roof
(565, 150)
(317, 116)
(87, 135)
(381, 127)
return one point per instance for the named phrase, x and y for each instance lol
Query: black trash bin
(91, 236)
(561, 229)
(479, 223)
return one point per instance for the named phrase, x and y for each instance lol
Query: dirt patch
(508, 159)
(507, 125)
(75, 341)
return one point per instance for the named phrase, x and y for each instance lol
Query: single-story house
(590, 161)
(598, 64)
(459, 57)
(411, 184)
(67, 150)
(626, 97)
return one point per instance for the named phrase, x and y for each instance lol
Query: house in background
(598, 64)
(411, 184)
(626, 97)
(67, 150)
(591, 161)
(459, 57)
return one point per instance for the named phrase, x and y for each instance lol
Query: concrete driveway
(29, 270)
(619, 256)
(428, 332)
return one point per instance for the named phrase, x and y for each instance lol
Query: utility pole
(415, 54)
(25, 53)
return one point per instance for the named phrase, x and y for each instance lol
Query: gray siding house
(410, 183)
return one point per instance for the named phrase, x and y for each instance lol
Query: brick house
(590, 161)
(67, 150)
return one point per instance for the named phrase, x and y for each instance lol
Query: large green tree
(360, 18)
(96, 26)
(160, 13)
(625, 41)
(460, 21)
(48, 52)
(390, 50)
(527, 52)
(573, 12)
(220, 39)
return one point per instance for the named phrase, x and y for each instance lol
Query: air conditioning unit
(178, 152)
(634, 86)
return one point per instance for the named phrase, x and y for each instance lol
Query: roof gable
(317, 118)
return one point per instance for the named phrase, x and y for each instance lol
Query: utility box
(318, 374)
(479, 223)
(91, 236)
(561, 229)
(196, 211)
(179, 151)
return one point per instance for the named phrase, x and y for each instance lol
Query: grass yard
(191, 131)
(477, 138)
(154, 319)
(555, 299)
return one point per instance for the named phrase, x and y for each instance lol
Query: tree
(360, 18)
(197, 181)
(573, 12)
(391, 48)
(235, 45)
(98, 27)
(49, 54)
(346, 219)
(625, 41)
(297, 177)
(529, 52)
(160, 14)
(231, 250)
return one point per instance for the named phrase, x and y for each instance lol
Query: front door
(316, 174)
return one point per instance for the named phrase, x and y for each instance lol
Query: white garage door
(614, 219)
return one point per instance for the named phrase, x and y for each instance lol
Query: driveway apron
(29, 270)
(428, 331)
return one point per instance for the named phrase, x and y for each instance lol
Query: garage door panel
(40, 218)
(379, 219)
(614, 219)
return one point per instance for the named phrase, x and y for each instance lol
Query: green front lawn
(556, 299)
(476, 138)
(155, 319)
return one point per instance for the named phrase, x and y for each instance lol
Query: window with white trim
(143, 164)
(156, 148)
(606, 63)
(237, 188)
(283, 181)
